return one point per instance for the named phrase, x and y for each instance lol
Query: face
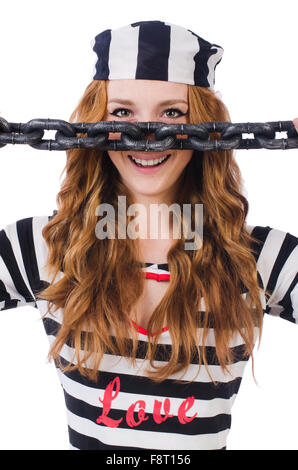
(147, 103)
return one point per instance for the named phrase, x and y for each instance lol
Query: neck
(154, 218)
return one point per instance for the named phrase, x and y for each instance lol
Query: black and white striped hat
(155, 50)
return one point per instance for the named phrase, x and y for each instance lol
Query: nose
(151, 136)
(145, 135)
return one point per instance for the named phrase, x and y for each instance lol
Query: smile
(151, 163)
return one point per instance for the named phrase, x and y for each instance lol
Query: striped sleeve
(277, 264)
(19, 273)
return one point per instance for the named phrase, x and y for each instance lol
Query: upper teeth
(149, 162)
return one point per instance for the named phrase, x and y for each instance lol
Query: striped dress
(124, 409)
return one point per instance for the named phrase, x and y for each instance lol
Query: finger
(295, 121)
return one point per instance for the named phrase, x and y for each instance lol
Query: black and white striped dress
(125, 409)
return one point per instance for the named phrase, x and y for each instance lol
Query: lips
(149, 156)
(150, 166)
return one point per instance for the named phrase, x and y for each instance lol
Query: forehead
(159, 89)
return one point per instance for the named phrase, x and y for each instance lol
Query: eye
(117, 110)
(114, 113)
(176, 111)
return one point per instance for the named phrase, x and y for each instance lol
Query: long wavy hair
(103, 278)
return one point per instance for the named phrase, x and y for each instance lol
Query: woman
(150, 361)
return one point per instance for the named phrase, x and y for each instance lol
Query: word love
(110, 395)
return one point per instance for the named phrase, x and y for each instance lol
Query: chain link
(202, 136)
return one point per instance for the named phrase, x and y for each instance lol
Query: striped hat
(155, 50)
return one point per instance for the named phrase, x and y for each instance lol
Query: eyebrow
(128, 102)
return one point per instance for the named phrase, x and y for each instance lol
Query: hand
(295, 121)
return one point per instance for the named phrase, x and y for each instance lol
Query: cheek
(116, 158)
(183, 158)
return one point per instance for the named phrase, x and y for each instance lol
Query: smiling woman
(159, 179)
(102, 290)
(168, 356)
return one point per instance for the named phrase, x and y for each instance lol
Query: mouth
(148, 163)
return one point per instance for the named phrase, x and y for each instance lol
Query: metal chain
(202, 136)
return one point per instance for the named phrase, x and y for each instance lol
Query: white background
(46, 62)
